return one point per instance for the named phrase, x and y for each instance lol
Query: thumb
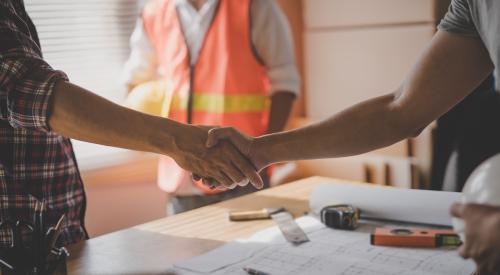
(215, 135)
(257, 182)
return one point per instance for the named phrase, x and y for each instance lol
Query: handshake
(223, 158)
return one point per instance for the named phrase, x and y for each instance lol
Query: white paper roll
(405, 205)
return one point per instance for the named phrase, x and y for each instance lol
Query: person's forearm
(79, 114)
(281, 106)
(448, 70)
(364, 127)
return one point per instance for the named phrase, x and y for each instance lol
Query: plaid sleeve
(26, 80)
(26, 86)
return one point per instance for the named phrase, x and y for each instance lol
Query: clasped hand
(227, 159)
(245, 145)
(218, 162)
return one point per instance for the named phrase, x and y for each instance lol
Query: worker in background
(461, 55)
(222, 63)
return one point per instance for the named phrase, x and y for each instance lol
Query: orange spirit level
(414, 237)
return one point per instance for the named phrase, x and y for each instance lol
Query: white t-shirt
(271, 38)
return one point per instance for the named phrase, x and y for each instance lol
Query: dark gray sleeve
(458, 19)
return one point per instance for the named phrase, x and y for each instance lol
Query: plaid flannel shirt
(35, 163)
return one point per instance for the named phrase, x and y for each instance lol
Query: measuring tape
(290, 229)
(340, 216)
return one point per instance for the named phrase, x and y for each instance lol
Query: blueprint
(329, 252)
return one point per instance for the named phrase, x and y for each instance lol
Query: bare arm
(281, 105)
(448, 70)
(80, 114)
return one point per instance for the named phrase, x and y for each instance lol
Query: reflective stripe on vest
(217, 103)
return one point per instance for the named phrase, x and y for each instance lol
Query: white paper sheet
(329, 252)
(222, 257)
(406, 205)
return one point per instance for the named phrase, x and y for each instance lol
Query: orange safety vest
(227, 86)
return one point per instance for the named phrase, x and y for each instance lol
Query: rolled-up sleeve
(26, 86)
(458, 19)
(26, 80)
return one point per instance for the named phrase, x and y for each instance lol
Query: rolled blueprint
(404, 205)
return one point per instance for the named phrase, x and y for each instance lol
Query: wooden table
(153, 247)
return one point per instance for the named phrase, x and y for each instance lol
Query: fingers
(224, 181)
(248, 170)
(236, 179)
(229, 178)
(457, 210)
(213, 184)
(231, 160)
(243, 183)
(235, 162)
(214, 135)
(234, 173)
(254, 178)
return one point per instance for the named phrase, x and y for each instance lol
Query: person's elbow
(406, 121)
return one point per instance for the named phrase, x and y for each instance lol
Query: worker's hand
(482, 237)
(222, 164)
(210, 182)
(244, 143)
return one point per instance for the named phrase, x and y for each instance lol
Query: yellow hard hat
(153, 97)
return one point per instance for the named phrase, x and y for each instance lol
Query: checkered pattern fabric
(35, 163)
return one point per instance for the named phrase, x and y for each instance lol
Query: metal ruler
(290, 229)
